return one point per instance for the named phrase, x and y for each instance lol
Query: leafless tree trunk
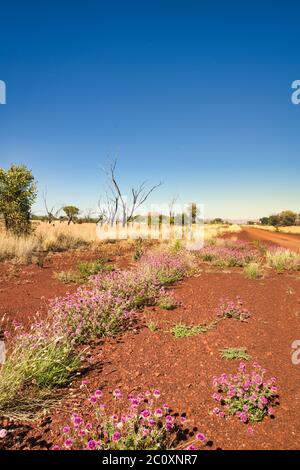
(50, 215)
(139, 195)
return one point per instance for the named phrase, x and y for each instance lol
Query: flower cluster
(233, 309)
(168, 267)
(136, 422)
(229, 254)
(249, 396)
(107, 306)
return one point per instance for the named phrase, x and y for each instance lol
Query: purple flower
(116, 436)
(92, 444)
(69, 442)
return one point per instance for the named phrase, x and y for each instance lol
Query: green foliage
(152, 326)
(180, 330)
(217, 220)
(89, 268)
(41, 365)
(235, 353)
(138, 249)
(284, 218)
(167, 302)
(68, 277)
(71, 213)
(253, 271)
(282, 260)
(17, 194)
(86, 269)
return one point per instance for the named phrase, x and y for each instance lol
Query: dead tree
(51, 215)
(139, 195)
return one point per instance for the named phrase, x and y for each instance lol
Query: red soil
(286, 240)
(24, 290)
(183, 368)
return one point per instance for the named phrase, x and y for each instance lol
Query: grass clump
(235, 353)
(167, 302)
(283, 260)
(39, 364)
(181, 330)
(253, 271)
(86, 269)
(90, 268)
(68, 277)
(152, 326)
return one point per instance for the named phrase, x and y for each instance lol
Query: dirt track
(285, 240)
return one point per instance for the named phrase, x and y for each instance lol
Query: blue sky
(196, 94)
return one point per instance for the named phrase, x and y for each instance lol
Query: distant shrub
(64, 242)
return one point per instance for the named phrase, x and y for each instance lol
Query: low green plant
(235, 353)
(68, 277)
(253, 270)
(40, 364)
(181, 330)
(90, 268)
(152, 326)
(282, 260)
(167, 302)
(138, 249)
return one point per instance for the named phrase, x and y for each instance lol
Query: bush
(68, 277)
(167, 302)
(229, 254)
(282, 259)
(167, 267)
(20, 249)
(144, 424)
(38, 362)
(233, 309)
(253, 270)
(64, 242)
(90, 268)
(235, 353)
(249, 396)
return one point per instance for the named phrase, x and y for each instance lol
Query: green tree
(17, 194)
(288, 218)
(71, 213)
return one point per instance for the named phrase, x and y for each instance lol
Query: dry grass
(295, 229)
(61, 237)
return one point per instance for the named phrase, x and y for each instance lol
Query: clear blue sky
(197, 94)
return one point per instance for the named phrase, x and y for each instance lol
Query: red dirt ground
(286, 240)
(24, 290)
(183, 368)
